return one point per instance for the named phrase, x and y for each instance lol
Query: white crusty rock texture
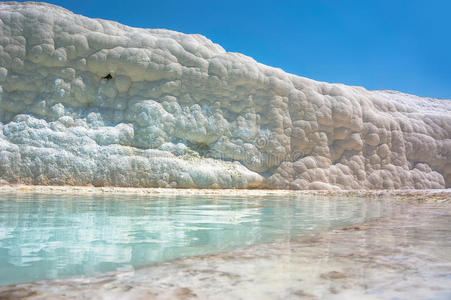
(93, 102)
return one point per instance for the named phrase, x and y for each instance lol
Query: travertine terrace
(93, 102)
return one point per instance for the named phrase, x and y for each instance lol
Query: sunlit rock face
(93, 102)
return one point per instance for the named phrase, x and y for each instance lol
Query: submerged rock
(93, 102)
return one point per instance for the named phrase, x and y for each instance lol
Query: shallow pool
(50, 236)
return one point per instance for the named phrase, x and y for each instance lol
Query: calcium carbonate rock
(93, 102)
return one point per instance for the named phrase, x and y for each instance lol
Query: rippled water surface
(49, 236)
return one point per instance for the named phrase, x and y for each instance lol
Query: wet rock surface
(402, 257)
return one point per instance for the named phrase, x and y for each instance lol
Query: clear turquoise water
(45, 237)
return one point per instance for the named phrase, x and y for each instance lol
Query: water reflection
(48, 236)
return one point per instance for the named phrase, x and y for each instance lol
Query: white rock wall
(180, 111)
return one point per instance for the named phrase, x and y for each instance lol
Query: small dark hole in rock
(107, 77)
(201, 148)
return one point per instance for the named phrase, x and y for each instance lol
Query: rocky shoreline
(49, 189)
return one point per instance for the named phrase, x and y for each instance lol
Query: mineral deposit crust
(93, 102)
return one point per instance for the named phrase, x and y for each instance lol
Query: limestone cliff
(86, 101)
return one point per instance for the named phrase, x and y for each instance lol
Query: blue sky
(379, 44)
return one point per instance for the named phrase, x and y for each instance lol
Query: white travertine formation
(93, 102)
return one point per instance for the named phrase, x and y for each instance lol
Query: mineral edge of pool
(57, 236)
